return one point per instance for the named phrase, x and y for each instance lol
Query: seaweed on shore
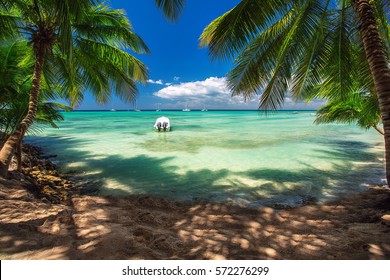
(40, 176)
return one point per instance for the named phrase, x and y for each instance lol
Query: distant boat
(186, 109)
(112, 108)
(136, 108)
(158, 108)
(204, 109)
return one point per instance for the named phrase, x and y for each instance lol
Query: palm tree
(76, 45)
(360, 108)
(16, 67)
(311, 48)
(47, 114)
(15, 81)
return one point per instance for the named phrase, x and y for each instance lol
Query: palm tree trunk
(19, 156)
(375, 53)
(9, 147)
(377, 128)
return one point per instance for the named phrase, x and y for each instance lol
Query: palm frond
(14, 69)
(48, 113)
(252, 67)
(307, 75)
(382, 15)
(172, 9)
(111, 27)
(71, 85)
(130, 65)
(66, 12)
(120, 75)
(230, 33)
(370, 114)
(88, 51)
(360, 108)
(304, 27)
(339, 70)
(9, 24)
(338, 112)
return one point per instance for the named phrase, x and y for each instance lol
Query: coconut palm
(47, 114)
(13, 110)
(306, 48)
(15, 78)
(76, 44)
(361, 109)
(16, 68)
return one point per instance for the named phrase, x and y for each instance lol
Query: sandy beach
(81, 226)
(278, 145)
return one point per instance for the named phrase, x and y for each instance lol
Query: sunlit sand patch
(77, 164)
(12, 214)
(237, 181)
(91, 232)
(243, 243)
(54, 253)
(377, 252)
(89, 246)
(269, 252)
(111, 186)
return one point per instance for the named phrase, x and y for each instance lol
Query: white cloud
(194, 89)
(158, 82)
(213, 93)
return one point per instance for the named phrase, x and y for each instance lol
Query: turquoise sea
(245, 157)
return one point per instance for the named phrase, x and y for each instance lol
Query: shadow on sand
(145, 227)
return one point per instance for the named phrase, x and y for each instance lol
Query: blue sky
(179, 71)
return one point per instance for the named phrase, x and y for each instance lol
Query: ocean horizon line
(192, 110)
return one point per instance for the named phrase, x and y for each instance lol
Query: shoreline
(80, 226)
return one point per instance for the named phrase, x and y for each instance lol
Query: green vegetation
(334, 50)
(337, 50)
(74, 49)
(16, 67)
(359, 108)
(74, 46)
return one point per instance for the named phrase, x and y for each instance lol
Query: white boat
(112, 110)
(204, 109)
(136, 108)
(162, 124)
(158, 108)
(186, 109)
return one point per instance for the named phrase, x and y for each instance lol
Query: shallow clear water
(245, 157)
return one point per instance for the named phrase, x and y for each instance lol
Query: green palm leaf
(307, 75)
(171, 8)
(8, 24)
(110, 26)
(359, 108)
(252, 67)
(230, 33)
